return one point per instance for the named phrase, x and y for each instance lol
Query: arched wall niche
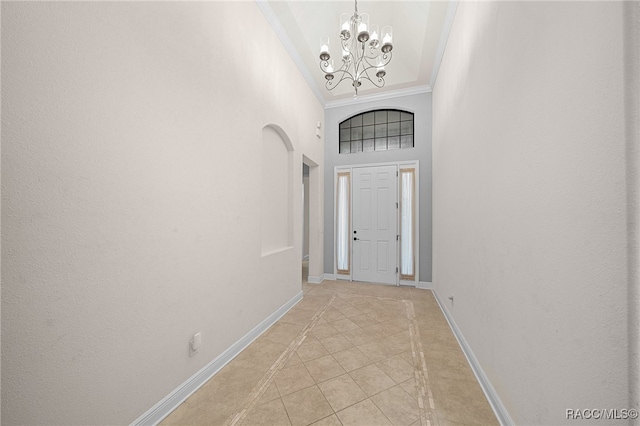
(276, 190)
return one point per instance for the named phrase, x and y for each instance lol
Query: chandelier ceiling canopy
(365, 51)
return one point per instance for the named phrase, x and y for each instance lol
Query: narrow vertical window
(407, 225)
(343, 242)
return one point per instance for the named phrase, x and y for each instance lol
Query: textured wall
(530, 203)
(632, 131)
(131, 163)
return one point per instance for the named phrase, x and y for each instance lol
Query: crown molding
(275, 23)
(444, 38)
(380, 96)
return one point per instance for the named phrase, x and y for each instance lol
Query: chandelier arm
(324, 65)
(345, 75)
(378, 81)
(331, 84)
(386, 58)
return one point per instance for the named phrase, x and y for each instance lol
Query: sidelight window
(343, 220)
(407, 223)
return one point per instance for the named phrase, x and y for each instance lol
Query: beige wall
(529, 201)
(131, 149)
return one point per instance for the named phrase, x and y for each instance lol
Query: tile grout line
(266, 381)
(428, 416)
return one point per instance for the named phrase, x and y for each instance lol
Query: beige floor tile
(351, 298)
(282, 333)
(407, 356)
(371, 379)
(351, 359)
(294, 359)
(377, 350)
(310, 349)
(365, 323)
(395, 348)
(350, 311)
(370, 309)
(333, 315)
(462, 401)
(410, 387)
(401, 338)
(362, 320)
(313, 302)
(268, 414)
(402, 323)
(340, 303)
(332, 420)
(399, 407)
(382, 330)
(397, 368)
(343, 325)
(292, 379)
(363, 413)
(324, 368)
(298, 317)
(225, 391)
(306, 406)
(448, 364)
(270, 394)
(447, 422)
(432, 322)
(336, 343)
(360, 336)
(187, 414)
(444, 337)
(321, 331)
(342, 392)
(259, 356)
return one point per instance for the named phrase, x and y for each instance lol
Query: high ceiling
(420, 30)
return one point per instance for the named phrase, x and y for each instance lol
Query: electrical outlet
(194, 344)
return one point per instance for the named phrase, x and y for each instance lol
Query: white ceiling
(420, 31)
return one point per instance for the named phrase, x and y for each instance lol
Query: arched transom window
(380, 130)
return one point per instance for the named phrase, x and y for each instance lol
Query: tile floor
(347, 354)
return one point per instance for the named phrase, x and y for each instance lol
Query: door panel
(374, 224)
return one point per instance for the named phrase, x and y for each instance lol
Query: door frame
(400, 165)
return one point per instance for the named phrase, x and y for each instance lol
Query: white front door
(375, 221)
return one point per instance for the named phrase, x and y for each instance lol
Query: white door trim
(349, 168)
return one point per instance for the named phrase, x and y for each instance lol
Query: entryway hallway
(347, 354)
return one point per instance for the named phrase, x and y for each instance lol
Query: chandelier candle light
(364, 50)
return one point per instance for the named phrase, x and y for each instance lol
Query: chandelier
(365, 52)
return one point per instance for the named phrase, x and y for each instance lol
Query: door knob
(355, 239)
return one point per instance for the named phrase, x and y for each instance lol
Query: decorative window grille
(380, 130)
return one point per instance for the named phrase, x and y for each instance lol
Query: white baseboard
(330, 277)
(315, 280)
(170, 402)
(492, 396)
(425, 285)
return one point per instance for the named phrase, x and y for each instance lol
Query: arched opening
(276, 190)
